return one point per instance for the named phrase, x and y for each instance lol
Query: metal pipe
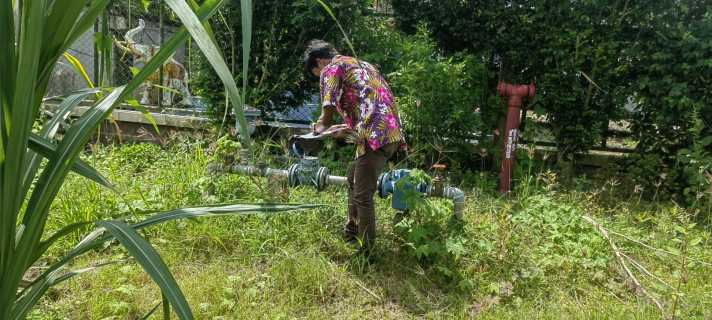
(456, 195)
(257, 172)
(337, 180)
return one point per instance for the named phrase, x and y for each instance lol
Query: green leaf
(695, 241)
(28, 299)
(149, 259)
(706, 141)
(103, 41)
(673, 250)
(33, 161)
(422, 250)
(346, 36)
(67, 230)
(465, 285)
(88, 243)
(419, 233)
(445, 271)
(680, 229)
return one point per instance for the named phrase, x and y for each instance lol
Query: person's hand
(338, 133)
(317, 128)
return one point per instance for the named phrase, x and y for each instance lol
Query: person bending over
(360, 94)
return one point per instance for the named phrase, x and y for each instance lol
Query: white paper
(311, 135)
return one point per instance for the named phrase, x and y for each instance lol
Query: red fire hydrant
(515, 93)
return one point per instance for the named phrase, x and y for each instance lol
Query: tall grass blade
(46, 149)
(20, 116)
(346, 36)
(149, 259)
(33, 161)
(57, 168)
(29, 297)
(74, 273)
(150, 313)
(246, 10)
(67, 230)
(88, 243)
(213, 55)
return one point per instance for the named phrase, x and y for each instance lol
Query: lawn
(531, 257)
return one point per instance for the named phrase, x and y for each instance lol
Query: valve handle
(439, 166)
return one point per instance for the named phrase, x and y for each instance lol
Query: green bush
(441, 100)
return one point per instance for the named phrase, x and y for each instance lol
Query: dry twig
(653, 248)
(643, 270)
(369, 291)
(619, 256)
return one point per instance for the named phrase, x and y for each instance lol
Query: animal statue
(174, 74)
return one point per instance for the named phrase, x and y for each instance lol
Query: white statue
(174, 74)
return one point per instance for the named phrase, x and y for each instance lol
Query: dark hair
(317, 49)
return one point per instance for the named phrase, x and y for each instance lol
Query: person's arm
(325, 120)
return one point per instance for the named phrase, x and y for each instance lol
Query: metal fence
(147, 31)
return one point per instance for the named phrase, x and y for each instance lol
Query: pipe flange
(322, 178)
(292, 173)
(382, 185)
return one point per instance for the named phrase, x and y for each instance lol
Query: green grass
(533, 258)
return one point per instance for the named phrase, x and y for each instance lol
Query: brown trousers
(362, 179)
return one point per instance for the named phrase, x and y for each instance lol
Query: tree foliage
(575, 51)
(282, 29)
(593, 61)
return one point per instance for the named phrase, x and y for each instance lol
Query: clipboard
(311, 135)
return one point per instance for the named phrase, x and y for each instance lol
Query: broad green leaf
(445, 271)
(149, 259)
(419, 233)
(423, 250)
(680, 229)
(706, 141)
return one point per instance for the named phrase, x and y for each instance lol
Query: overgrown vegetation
(534, 257)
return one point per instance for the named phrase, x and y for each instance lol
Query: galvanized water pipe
(264, 171)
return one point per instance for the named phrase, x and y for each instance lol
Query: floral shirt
(364, 99)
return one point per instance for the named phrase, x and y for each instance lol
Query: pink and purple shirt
(364, 99)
